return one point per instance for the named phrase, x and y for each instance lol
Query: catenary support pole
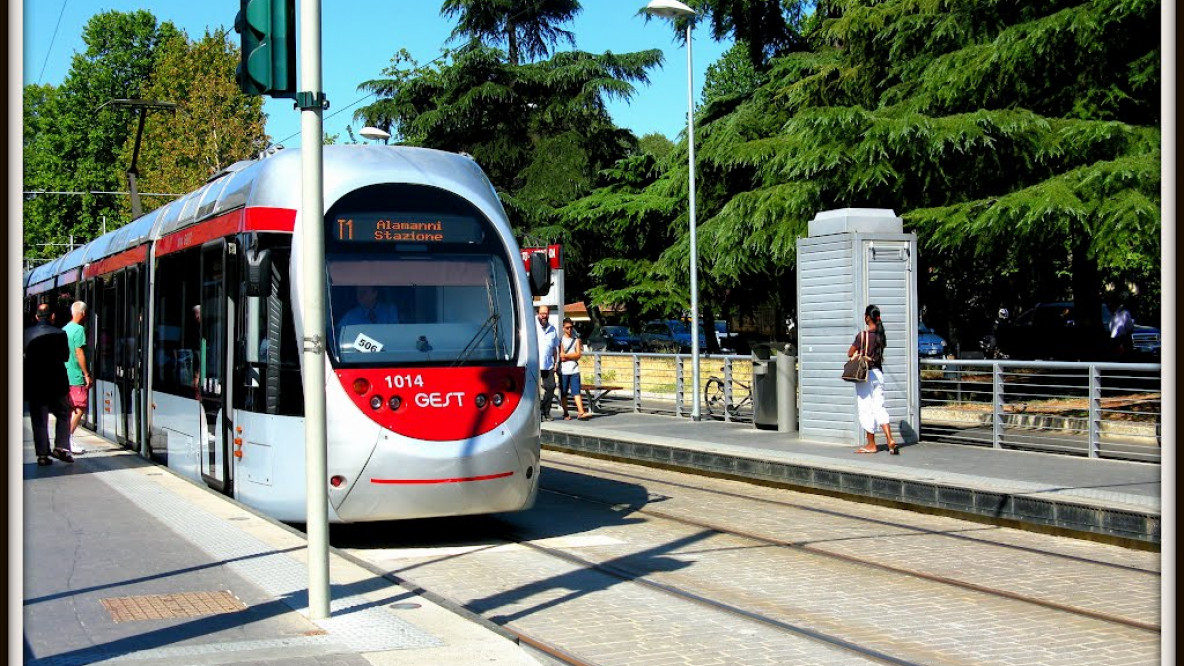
(312, 241)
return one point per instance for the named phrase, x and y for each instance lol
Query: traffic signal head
(268, 30)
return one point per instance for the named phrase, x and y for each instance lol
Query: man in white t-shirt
(548, 358)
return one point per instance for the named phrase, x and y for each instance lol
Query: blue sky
(361, 36)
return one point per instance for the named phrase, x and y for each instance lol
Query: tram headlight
(498, 399)
(394, 403)
(480, 400)
(361, 386)
(376, 402)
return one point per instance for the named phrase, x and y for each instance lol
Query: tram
(195, 332)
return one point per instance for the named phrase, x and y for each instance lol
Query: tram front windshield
(453, 309)
(426, 282)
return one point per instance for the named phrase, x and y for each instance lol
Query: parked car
(727, 340)
(1147, 342)
(929, 343)
(1050, 331)
(613, 339)
(669, 336)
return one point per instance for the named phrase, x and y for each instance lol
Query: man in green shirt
(76, 367)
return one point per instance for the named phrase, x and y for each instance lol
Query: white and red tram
(431, 377)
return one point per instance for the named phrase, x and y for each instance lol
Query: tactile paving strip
(362, 624)
(170, 606)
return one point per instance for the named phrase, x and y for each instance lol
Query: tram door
(130, 366)
(213, 359)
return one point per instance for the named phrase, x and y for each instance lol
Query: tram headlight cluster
(394, 402)
(481, 400)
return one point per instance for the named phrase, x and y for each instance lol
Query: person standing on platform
(77, 369)
(47, 388)
(548, 359)
(870, 394)
(570, 350)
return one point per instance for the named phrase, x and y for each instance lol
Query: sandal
(893, 449)
(864, 449)
(42, 461)
(63, 455)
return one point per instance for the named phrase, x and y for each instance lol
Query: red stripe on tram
(466, 479)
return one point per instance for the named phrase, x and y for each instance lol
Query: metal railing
(1110, 410)
(661, 383)
(1098, 410)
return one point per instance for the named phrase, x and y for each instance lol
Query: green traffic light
(268, 62)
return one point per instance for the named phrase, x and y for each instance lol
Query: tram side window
(105, 317)
(271, 367)
(176, 338)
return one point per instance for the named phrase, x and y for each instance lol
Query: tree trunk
(1087, 300)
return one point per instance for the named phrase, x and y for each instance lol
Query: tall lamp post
(673, 9)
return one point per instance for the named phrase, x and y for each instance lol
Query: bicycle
(715, 397)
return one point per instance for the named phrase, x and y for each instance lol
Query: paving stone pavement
(614, 621)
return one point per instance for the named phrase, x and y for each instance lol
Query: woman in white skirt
(870, 394)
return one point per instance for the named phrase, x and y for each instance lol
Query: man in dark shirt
(46, 385)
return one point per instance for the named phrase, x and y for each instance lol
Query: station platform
(125, 562)
(1108, 500)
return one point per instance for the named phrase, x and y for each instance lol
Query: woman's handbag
(855, 369)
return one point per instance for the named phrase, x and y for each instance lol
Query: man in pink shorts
(77, 370)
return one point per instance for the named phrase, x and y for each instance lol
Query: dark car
(669, 336)
(1050, 331)
(929, 343)
(1147, 342)
(613, 339)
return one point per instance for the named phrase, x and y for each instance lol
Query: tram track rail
(860, 561)
(639, 578)
(560, 655)
(864, 519)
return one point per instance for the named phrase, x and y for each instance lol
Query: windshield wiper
(490, 324)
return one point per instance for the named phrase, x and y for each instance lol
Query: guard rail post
(679, 385)
(997, 406)
(1095, 410)
(728, 390)
(636, 383)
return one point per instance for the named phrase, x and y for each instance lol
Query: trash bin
(764, 387)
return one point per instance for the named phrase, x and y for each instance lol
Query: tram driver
(369, 309)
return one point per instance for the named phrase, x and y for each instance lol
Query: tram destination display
(366, 227)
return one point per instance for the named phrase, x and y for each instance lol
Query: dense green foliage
(215, 124)
(73, 143)
(529, 29)
(1020, 141)
(76, 141)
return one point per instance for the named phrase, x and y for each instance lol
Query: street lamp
(673, 9)
(375, 133)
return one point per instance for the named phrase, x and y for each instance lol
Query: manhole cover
(169, 606)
